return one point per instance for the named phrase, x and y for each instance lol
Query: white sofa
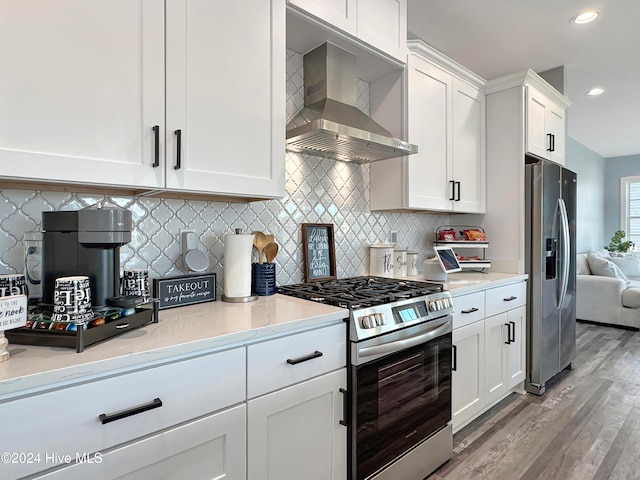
(608, 296)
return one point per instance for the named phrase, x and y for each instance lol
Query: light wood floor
(585, 427)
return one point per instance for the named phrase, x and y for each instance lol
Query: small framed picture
(318, 248)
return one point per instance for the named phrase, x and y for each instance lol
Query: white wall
(590, 167)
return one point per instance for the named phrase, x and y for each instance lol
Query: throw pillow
(630, 265)
(604, 267)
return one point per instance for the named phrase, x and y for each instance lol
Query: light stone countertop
(461, 283)
(181, 332)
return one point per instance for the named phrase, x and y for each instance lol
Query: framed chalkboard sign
(318, 248)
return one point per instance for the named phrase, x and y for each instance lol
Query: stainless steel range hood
(330, 125)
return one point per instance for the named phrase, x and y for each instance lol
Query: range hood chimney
(330, 125)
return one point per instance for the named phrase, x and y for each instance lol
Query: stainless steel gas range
(400, 361)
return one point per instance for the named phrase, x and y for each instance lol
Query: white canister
(381, 260)
(412, 263)
(399, 262)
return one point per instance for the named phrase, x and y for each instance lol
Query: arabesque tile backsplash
(318, 191)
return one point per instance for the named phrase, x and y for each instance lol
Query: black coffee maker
(85, 242)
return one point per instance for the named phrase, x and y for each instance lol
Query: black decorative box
(116, 321)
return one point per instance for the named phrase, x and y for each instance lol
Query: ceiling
(496, 37)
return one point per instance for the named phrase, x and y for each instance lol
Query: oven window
(401, 399)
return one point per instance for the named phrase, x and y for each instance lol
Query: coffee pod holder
(106, 323)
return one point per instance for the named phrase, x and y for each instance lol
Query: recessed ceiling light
(595, 92)
(586, 17)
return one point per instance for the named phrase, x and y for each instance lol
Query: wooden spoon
(259, 241)
(270, 238)
(271, 250)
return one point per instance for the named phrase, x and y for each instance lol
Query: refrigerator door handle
(566, 251)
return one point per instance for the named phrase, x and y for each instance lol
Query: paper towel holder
(249, 298)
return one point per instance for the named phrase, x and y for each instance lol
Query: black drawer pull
(345, 407)
(306, 358)
(156, 144)
(471, 310)
(112, 417)
(509, 299)
(513, 339)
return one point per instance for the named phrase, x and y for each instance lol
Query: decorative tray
(106, 323)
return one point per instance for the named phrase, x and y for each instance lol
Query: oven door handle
(441, 328)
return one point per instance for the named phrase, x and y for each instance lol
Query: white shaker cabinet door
(469, 169)
(517, 348)
(467, 389)
(383, 24)
(226, 96)
(338, 13)
(496, 337)
(295, 433)
(430, 124)
(81, 89)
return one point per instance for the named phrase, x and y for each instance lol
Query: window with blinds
(631, 208)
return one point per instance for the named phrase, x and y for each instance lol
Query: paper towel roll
(237, 265)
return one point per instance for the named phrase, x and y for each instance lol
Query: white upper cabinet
(545, 131)
(81, 89)
(338, 13)
(446, 119)
(226, 98)
(379, 23)
(84, 97)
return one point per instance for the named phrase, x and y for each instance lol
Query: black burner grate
(360, 292)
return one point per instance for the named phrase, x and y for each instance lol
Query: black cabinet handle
(453, 190)
(508, 334)
(112, 417)
(513, 339)
(458, 196)
(178, 149)
(156, 141)
(306, 358)
(550, 146)
(553, 143)
(471, 310)
(345, 407)
(454, 352)
(509, 299)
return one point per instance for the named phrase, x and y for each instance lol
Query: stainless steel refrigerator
(551, 264)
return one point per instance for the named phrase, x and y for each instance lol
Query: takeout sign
(13, 312)
(187, 290)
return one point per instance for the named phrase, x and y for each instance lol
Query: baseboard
(613, 325)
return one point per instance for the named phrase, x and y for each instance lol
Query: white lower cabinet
(468, 377)
(505, 352)
(207, 448)
(489, 351)
(295, 433)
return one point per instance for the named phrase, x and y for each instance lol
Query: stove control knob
(433, 306)
(365, 321)
(379, 319)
